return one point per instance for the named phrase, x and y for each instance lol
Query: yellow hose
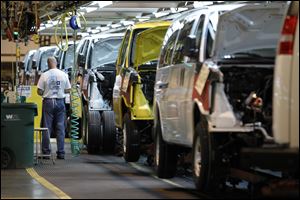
(63, 27)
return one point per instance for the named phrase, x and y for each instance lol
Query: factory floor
(92, 176)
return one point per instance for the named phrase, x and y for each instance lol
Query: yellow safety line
(47, 184)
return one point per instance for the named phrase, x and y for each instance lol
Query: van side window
(199, 31)
(185, 31)
(124, 47)
(209, 43)
(85, 48)
(166, 53)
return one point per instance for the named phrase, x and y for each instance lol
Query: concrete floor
(93, 176)
(18, 184)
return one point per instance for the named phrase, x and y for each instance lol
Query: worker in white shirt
(53, 86)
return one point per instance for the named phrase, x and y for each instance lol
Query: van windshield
(69, 58)
(104, 52)
(44, 57)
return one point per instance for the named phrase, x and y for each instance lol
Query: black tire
(204, 166)
(94, 132)
(131, 140)
(6, 159)
(165, 156)
(109, 131)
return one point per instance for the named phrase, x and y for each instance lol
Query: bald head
(52, 62)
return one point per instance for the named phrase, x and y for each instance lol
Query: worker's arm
(40, 92)
(41, 85)
(68, 85)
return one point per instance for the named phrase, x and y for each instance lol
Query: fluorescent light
(126, 23)
(88, 9)
(160, 14)
(104, 28)
(102, 4)
(116, 25)
(198, 4)
(82, 13)
(83, 34)
(49, 25)
(55, 22)
(41, 28)
(94, 3)
(95, 31)
(176, 10)
(143, 19)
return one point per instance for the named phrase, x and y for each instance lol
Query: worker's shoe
(61, 157)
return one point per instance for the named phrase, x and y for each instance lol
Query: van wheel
(165, 156)
(109, 131)
(94, 132)
(131, 140)
(204, 165)
(5, 159)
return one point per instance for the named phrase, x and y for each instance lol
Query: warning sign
(24, 90)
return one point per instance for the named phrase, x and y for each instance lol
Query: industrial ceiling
(100, 16)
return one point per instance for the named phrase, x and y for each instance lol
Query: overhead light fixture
(83, 34)
(104, 3)
(41, 28)
(126, 23)
(104, 28)
(82, 13)
(199, 4)
(160, 14)
(177, 10)
(55, 22)
(90, 9)
(95, 31)
(116, 25)
(143, 19)
(48, 25)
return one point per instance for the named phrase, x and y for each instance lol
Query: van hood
(148, 45)
(251, 27)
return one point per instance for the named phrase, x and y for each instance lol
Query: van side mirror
(189, 48)
(22, 65)
(34, 66)
(81, 60)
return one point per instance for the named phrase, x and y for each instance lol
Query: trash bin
(17, 129)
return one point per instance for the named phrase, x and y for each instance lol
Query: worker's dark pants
(54, 118)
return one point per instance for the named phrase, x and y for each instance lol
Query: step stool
(38, 151)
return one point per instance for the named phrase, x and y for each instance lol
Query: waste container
(17, 129)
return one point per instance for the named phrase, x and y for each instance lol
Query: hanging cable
(63, 28)
(76, 103)
(20, 15)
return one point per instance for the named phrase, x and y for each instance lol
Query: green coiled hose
(74, 97)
